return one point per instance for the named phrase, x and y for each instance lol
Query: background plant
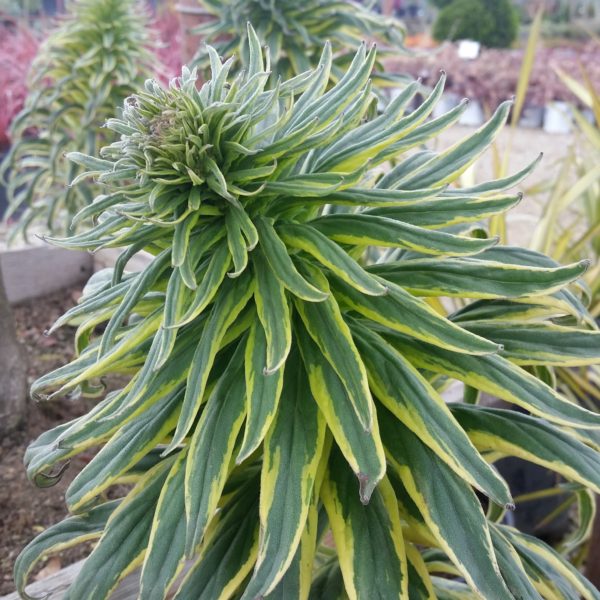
(18, 47)
(296, 32)
(95, 58)
(494, 23)
(282, 384)
(570, 226)
(565, 233)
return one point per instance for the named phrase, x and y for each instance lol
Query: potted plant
(17, 49)
(91, 62)
(296, 32)
(282, 384)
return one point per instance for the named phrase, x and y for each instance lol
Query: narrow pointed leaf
(292, 451)
(282, 265)
(449, 507)
(211, 449)
(164, 557)
(368, 539)
(363, 229)
(408, 395)
(530, 438)
(404, 313)
(262, 393)
(273, 312)
(306, 238)
(500, 378)
(325, 324)
(124, 540)
(233, 296)
(363, 450)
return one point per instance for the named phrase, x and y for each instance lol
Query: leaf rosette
(285, 350)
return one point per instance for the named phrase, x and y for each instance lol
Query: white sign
(468, 49)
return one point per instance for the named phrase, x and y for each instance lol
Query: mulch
(25, 510)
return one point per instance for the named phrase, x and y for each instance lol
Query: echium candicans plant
(295, 33)
(282, 387)
(96, 57)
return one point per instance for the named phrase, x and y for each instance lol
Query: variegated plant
(283, 386)
(295, 33)
(97, 56)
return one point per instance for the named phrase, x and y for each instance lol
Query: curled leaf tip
(267, 371)
(366, 487)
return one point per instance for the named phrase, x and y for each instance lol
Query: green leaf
(368, 539)
(327, 327)
(328, 583)
(66, 534)
(518, 581)
(448, 165)
(363, 450)
(444, 212)
(541, 343)
(164, 557)
(412, 400)
(273, 312)
(214, 436)
(554, 568)
(329, 254)
(279, 260)
(363, 229)
(233, 296)
(209, 286)
(125, 538)
(402, 312)
(536, 441)
(474, 277)
(262, 393)
(127, 446)
(229, 555)
(296, 582)
(498, 377)
(237, 245)
(449, 507)
(293, 449)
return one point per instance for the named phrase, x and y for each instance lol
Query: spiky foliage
(281, 386)
(95, 58)
(295, 32)
(570, 225)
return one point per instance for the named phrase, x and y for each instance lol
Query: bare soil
(25, 510)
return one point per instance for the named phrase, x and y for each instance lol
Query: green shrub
(94, 59)
(285, 369)
(440, 3)
(494, 23)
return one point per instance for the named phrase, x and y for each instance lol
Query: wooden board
(57, 585)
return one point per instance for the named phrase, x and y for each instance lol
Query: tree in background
(440, 3)
(493, 23)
